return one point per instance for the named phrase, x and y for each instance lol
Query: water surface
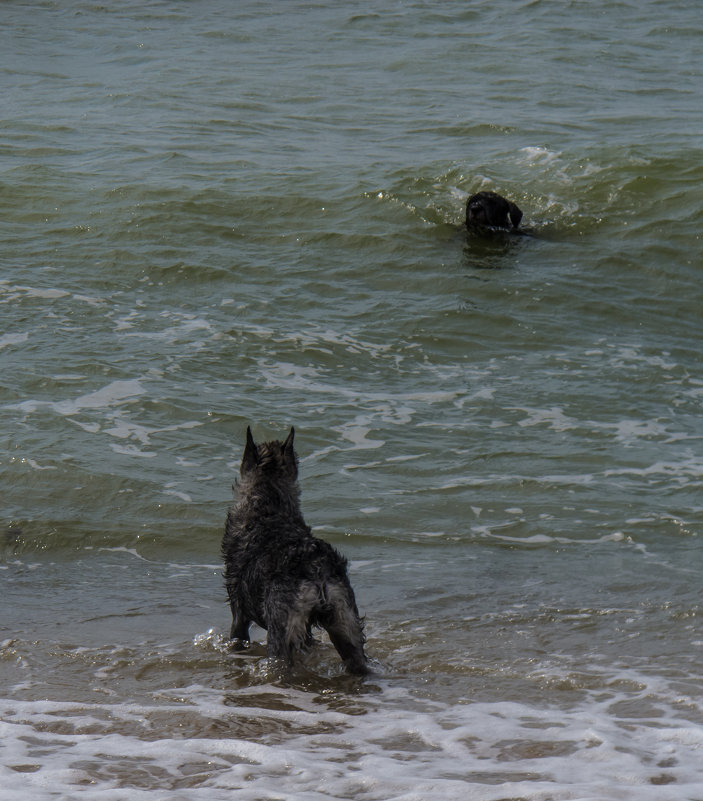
(215, 216)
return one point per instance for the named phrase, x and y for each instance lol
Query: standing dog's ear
(289, 458)
(515, 214)
(289, 439)
(251, 454)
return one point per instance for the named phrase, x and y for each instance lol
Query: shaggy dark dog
(490, 210)
(277, 574)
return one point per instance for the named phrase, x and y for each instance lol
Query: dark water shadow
(492, 249)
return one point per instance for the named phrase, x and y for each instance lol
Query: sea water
(219, 214)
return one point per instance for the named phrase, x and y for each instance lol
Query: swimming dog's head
(490, 210)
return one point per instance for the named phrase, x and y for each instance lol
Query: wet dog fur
(277, 574)
(491, 210)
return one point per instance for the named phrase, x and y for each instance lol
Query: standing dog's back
(277, 574)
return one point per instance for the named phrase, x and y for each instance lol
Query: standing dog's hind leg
(349, 645)
(346, 630)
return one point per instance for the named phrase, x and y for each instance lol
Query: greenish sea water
(216, 215)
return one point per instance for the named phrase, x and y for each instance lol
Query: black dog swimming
(488, 210)
(277, 574)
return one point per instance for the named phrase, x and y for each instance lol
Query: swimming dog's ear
(289, 457)
(515, 214)
(251, 454)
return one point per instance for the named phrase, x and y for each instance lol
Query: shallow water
(217, 216)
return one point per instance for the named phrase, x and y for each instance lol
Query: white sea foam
(540, 155)
(550, 161)
(285, 375)
(124, 549)
(13, 339)
(33, 463)
(44, 293)
(126, 429)
(184, 325)
(545, 539)
(410, 457)
(393, 746)
(679, 471)
(183, 496)
(629, 431)
(553, 418)
(11, 292)
(357, 432)
(110, 395)
(131, 450)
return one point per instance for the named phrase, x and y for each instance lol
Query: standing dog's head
(490, 210)
(275, 459)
